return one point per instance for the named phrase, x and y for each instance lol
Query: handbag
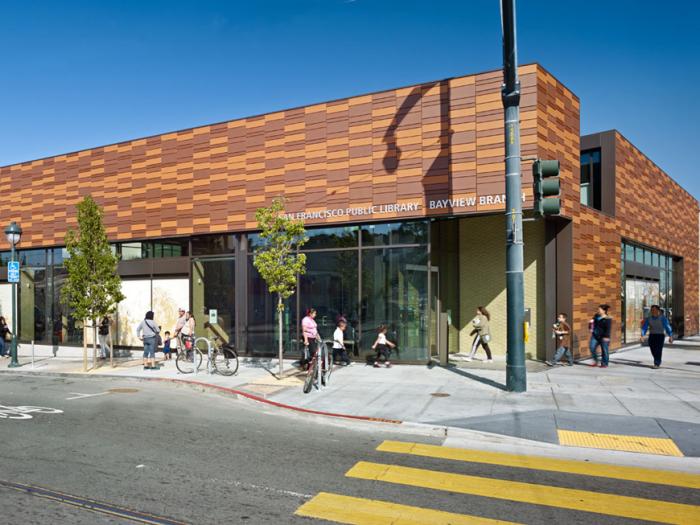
(159, 339)
(8, 336)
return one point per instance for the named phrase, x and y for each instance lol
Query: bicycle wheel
(226, 361)
(327, 367)
(187, 360)
(311, 375)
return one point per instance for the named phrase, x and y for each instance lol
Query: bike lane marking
(78, 395)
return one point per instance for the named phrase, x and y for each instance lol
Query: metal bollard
(32, 354)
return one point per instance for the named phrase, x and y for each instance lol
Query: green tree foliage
(278, 260)
(93, 287)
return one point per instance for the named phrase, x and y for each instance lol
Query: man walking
(658, 327)
(103, 332)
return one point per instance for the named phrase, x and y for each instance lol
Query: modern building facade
(402, 195)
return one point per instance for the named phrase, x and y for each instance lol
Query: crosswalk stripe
(643, 444)
(660, 477)
(566, 498)
(360, 511)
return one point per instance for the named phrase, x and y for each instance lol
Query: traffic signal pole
(510, 95)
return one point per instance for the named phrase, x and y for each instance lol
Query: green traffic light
(546, 187)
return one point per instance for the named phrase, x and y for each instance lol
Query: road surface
(127, 451)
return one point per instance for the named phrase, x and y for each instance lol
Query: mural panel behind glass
(132, 309)
(168, 296)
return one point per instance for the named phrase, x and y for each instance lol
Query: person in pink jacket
(309, 331)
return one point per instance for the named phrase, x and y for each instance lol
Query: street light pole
(14, 234)
(510, 95)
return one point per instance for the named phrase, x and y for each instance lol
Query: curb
(222, 389)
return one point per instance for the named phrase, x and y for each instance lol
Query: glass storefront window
(262, 329)
(168, 248)
(395, 294)
(133, 250)
(647, 257)
(654, 259)
(639, 255)
(395, 233)
(212, 244)
(322, 238)
(330, 285)
(629, 252)
(214, 288)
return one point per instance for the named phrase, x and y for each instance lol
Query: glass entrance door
(640, 294)
(213, 288)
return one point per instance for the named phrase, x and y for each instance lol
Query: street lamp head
(13, 233)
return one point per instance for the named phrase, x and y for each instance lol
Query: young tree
(277, 261)
(93, 287)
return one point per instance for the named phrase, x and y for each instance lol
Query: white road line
(78, 395)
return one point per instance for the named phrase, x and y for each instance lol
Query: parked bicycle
(222, 357)
(320, 368)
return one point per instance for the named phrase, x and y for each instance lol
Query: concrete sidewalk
(628, 398)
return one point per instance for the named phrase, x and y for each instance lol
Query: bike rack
(208, 354)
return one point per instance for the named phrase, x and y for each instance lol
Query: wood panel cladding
(372, 157)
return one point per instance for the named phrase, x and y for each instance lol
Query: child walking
(562, 333)
(383, 347)
(481, 333)
(166, 347)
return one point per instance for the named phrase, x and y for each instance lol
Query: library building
(402, 196)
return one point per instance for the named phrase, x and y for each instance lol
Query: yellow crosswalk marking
(566, 498)
(360, 511)
(645, 445)
(661, 477)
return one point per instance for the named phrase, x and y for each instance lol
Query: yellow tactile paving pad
(645, 445)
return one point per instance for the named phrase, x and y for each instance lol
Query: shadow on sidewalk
(640, 364)
(474, 377)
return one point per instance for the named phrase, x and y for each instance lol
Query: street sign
(13, 272)
(213, 316)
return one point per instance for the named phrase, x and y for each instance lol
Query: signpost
(13, 272)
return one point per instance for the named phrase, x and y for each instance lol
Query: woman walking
(481, 333)
(4, 332)
(601, 325)
(148, 332)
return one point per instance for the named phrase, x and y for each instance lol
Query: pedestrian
(181, 319)
(481, 333)
(5, 337)
(166, 346)
(187, 330)
(600, 326)
(383, 347)
(103, 332)
(562, 334)
(340, 355)
(309, 331)
(148, 332)
(658, 327)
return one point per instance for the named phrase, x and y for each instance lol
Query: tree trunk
(94, 344)
(84, 345)
(280, 309)
(111, 348)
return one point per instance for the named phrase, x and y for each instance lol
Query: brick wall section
(436, 140)
(650, 209)
(653, 209)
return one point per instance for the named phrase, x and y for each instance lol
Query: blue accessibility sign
(13, 272)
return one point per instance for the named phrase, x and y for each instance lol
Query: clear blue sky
(83, 74)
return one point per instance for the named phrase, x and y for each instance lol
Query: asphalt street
(172, 455)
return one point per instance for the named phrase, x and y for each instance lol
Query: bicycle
(319, 375)
(188, 354)
(222, 358)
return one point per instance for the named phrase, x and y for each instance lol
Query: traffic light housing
(545, 177)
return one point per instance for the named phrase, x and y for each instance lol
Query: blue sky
(82, 74)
